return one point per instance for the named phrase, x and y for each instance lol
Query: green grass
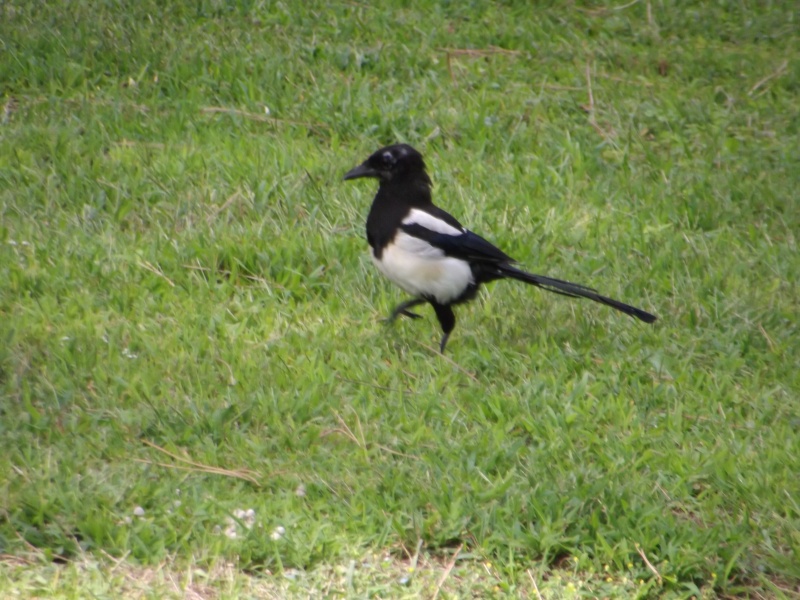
(370, 576)
(180, 266)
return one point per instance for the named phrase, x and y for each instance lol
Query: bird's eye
(388, 158)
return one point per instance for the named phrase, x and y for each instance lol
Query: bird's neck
(412, 192)
(391, 205)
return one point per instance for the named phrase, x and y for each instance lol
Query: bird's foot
(406, 313)
(402, 309)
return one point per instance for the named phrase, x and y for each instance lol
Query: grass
(373, 576)
(190, 327)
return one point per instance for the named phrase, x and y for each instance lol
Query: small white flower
(300, 491)
(277, 533)
(247, 517)
(138, 511)
(230, 528)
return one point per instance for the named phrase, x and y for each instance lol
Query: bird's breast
(423, 270)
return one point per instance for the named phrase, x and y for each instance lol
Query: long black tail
(565, 288)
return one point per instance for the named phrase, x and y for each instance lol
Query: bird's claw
(406, 313)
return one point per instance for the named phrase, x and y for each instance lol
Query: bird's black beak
(361, 170)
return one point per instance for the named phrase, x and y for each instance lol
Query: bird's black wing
(466, 246)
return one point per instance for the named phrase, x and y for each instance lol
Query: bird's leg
(443, 343)
(402, 309)
(447, 319)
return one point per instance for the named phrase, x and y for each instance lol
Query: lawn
(195, 380)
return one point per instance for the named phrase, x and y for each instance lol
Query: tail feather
(574, 290)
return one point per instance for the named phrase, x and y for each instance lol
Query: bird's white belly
(423, 270)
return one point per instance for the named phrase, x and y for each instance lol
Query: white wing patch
(428, 221)
(422, 269)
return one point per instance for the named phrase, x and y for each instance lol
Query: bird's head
(391, 162)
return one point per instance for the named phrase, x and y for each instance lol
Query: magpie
(429, 254)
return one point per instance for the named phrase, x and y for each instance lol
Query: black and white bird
(429, 254)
